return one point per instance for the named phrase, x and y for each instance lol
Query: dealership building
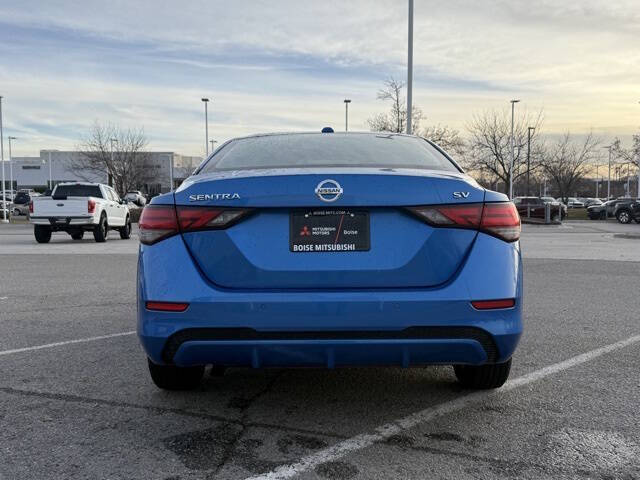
(35, 172)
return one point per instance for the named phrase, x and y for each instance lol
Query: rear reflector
(498, 219)
(493, 304)
(167, 306)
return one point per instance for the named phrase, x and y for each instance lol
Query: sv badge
(460, 194)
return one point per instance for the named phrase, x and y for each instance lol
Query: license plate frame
(329, 230)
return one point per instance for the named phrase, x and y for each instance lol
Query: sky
(287, 65)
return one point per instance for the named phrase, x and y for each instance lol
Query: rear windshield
(77, 191)
(328, 150)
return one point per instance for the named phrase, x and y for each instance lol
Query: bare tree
(447, 138)
(127, 169)
(489, 145)
(395, 120)
(627, 155)
(567, 162)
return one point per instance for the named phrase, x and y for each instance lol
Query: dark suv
(627, 211)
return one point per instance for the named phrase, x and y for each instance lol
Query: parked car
(534, 207)
(20, 205)
(627, 211)
(573, 202)
(136, 197)
(274, 267)
(592, 201)
(79, 207)
(607, 209)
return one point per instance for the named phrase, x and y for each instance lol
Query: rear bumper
(330, 328)
(63, 222)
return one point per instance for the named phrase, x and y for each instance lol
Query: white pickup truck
(79, 207)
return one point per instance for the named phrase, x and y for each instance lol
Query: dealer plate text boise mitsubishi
(329, 250)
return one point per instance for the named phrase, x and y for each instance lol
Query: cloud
(287, 65)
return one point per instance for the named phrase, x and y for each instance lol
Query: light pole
(171, 170)
(597, 180)
(529, 129)
(50, 175)
(110, 177)
(212, 143)
(206, 126)
(410, 67)
(513, 104)
(609, 178)
(4, 187)
(346, 114)
(11, 163)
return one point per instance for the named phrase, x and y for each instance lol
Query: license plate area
(329, 230)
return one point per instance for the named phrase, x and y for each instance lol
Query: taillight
(91, 206)
(208, 218)
(498, 219)
(501, 220)
(31, 206)
(157, 222)
(493, 304)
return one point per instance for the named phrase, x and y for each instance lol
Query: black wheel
(42, 233)
(624, 216)
(77, 235)
(170, 377)
(125, 232)
(483, 376)
(16, 212)
(603, 215)
(101, 230)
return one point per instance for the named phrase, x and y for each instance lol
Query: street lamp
(529, 130)
(206, 126)
(346, 114)
(513, 104)
(4, 187)
(50, 175)
(212, 142)
(11, 163)
(409, 67)
(608, 147)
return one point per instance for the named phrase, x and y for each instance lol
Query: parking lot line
(385, 431)
(67, 342)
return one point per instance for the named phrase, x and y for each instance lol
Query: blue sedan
(329, 250)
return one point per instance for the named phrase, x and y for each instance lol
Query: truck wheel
(77, 235)
(101, 230)
(125, 232)
(42, 233)
(623, 216)
(483, 376)
(170, 377)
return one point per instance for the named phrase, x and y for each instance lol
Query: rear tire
(170, 377)
(77, 235)
(624, 216)
(483, 376)
(42, 233)
(125, 232)
(101, 230)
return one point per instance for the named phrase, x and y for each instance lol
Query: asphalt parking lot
(76, 400)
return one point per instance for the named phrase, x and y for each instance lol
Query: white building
(35, 172)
